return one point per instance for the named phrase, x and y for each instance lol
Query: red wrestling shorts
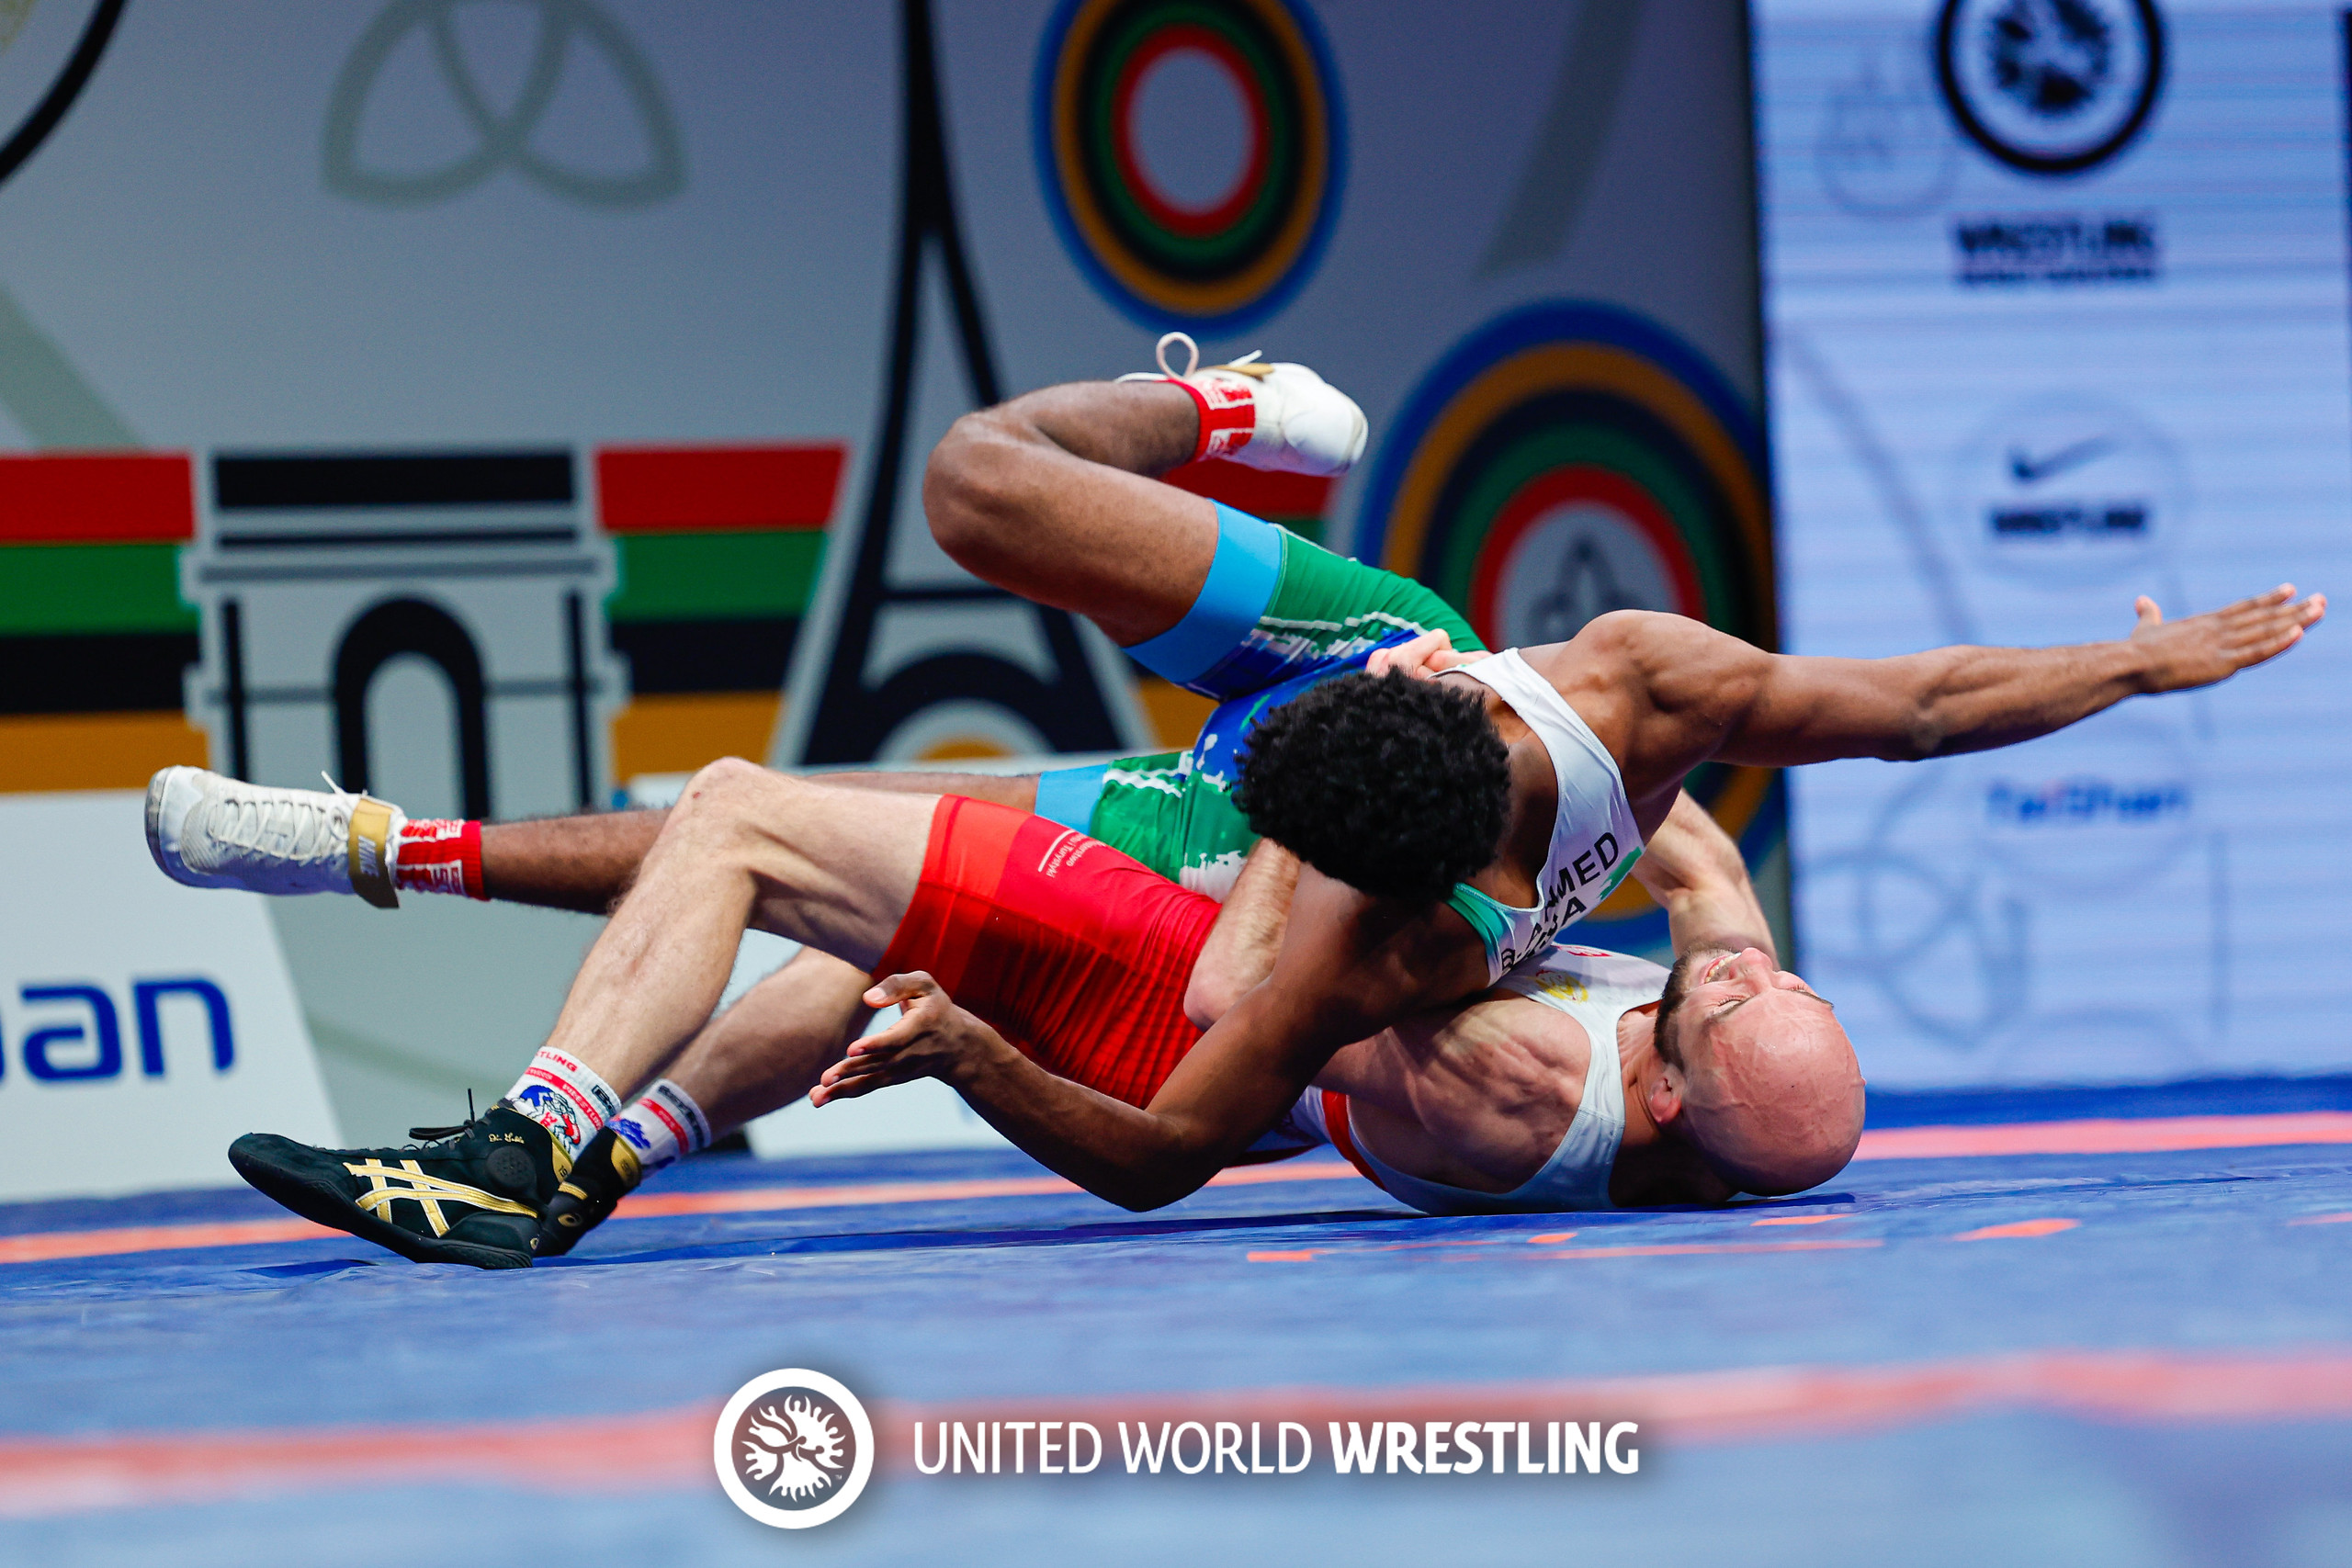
(1075, 953)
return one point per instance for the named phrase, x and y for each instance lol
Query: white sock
(663, 1127)
(566, 1097)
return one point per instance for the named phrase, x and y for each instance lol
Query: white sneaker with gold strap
(208, 830)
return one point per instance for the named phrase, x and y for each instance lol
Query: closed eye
(1804, 991)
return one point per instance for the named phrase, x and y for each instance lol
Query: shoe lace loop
(1191, 356)
(1192, 361)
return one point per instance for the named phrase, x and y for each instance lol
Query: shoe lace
(1191, 360)
(296, 825)
(435, 1134)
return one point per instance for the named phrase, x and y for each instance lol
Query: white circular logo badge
(793, 1448)
(2049, 86)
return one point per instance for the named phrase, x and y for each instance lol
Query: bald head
(1767, 1085)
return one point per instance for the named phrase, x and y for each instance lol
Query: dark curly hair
(1398, 787)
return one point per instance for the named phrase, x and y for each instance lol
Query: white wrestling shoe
(207, 830)
(1281, 417)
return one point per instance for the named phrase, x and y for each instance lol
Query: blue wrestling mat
(2082, 1329)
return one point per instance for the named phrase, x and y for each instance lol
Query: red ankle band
(1228, 416)
(439, 856)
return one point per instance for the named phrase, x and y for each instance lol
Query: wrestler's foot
(606, 1172)
(466, 1194)
(1281, 416)
(210, 831)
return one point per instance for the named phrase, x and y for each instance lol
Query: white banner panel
(144, 1025)
(2055, 299)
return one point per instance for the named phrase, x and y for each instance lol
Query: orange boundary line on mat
(2119, 1136)
(2154, 1136)
(670, 1449)
(48, 1247)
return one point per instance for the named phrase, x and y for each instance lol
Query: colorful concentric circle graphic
(1568, 459)
(1216, 260)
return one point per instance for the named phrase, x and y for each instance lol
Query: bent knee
(971, 488)
(731, 792)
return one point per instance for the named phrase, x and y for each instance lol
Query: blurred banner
(2057, 316)
(144, 1025)
(506, 407)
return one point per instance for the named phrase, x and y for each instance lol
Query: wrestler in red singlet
(1078, 956)
(1075, 953)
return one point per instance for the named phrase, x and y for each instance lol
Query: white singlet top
(1594, 840)
(1595, 987)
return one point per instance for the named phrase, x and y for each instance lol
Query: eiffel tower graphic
(1585, 589)
(885, 659)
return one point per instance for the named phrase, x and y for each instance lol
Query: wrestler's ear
(1663, 1096)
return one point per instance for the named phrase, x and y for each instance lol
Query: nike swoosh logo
(2028, 470)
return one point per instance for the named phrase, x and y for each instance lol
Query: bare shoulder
(1646, 651)
(1660, 692)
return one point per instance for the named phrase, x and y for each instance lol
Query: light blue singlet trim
(1067, 795)
(1241, 584)
(1488, 914)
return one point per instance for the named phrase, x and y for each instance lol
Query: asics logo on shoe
(407, 1183)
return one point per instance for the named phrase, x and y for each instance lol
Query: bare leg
(587, 862)
(770, 1048)
(833, 869)
(566, 863)
(1046, 496)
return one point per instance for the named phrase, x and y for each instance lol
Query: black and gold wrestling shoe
(606, 1172)
(466, 1194)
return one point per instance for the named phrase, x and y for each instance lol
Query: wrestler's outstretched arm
(1677, 693)
(1694, 871)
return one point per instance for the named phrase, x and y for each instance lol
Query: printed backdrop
(2057, 312)
(509, 406)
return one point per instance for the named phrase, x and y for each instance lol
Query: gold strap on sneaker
(407, 1183)
(371, 853)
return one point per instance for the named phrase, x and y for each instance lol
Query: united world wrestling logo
(796, 1452)
(2049, 86)
(1567, 459)
(1191, 151)
(793, 1448)
(504, 138)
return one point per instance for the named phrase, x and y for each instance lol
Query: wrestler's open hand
(1429, 655)
(2218, 644)
(932, 1039)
